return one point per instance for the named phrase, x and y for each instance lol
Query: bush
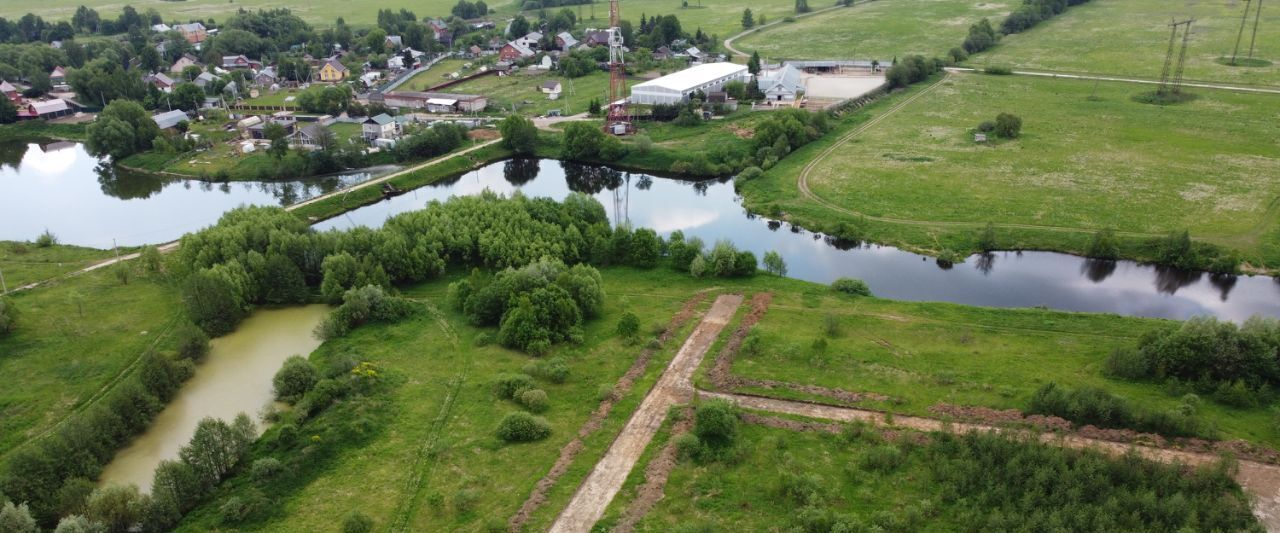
(716, 423)
(192, 342)
(628, 325)
(852, 286)
(555, 370)
(8, 316)
(1103, 245)
(831, 325)
(1127, 363)
(265, 468)
(357, 522)
(17, 519)
(294, 379)
(1008, 126)
(523, 427)
(1094, 406)
(884, 458)
(1235, 394)
(535, 400)
(509, 386)
(689, 447)
(46, 239)
(998, 71)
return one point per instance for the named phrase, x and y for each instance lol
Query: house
(161, 28)
(483, 25)
(530, 40)
(10, 92)
(551, 88)
(781, 85)
(204, 79)
(333, 71)
(240, 61)
(432, 102)
(380, 127)
(662, 54)
(565, 41)
(695, 54)
(393, 43)
(596, 38)
(679, 86)
(47, 109)
(395, 63)
(194, 32)
(370, 78)
(266, 77)
(58, 76)
(440, 29)
(514, 51)
(258, 130)
(159, 81)
(310, 136)
(187, 60)
(170, 119)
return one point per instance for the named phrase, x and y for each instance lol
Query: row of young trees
(1210, 353)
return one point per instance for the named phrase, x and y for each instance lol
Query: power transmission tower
(1240, 34)
(1165, 86)
(618, 120)
(1256, 17)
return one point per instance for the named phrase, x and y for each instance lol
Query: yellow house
(333, 71)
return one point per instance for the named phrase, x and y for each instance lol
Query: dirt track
(673, 387)
(1260, 480)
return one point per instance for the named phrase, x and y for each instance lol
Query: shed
(170, 119)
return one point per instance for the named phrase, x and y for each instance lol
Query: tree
(17, 519)
(8, 111)
(357, 522)
(748, 21)
(519, 27)
(1008, 126)
(753, 64)
(716, 423)
(8, 316)
(213, 302)
(774, 264)
(593, 107)
(75, 524)
(283, 282)
(279, 148)
(518, 134)
(582, 141)
(294, 379)
(123, 128)
(628, 325)
(802, 6)
(187, 97)
(118, 507)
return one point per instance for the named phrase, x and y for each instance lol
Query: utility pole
(1240, 34)
(1176, 86)
(3, 285)
(1256, 17)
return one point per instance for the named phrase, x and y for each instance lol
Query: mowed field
(882, 29)
(1131, 37)
(1090, 157)
(522, 91)
(321, 13)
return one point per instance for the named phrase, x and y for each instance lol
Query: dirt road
(1260, 480)
(675, 386)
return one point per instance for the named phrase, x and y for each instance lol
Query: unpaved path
(1260, 480)
(1122, 79)
(675, 386)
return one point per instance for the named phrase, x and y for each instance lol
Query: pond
(60, 187)
(234, 378)
(712, 210)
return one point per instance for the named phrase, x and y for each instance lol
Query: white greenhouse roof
(692, 77)
(441, 101)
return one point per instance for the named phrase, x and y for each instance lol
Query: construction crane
(618, 120)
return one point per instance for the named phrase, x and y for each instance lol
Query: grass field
(883, 29)
(1089, 158)
(522, 91)
(71, 339)
(24, 262)
(722, 18)
(437, 74)
(921, 354)
(321, 13)
(1130, 38)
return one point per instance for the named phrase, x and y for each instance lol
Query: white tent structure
(678, 86)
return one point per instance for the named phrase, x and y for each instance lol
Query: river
(234, 378)
(60, 187)
(712, 210)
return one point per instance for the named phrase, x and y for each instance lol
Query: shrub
(509, 386)
(987, 238)
(535, 400)
(523, 427)
(748, 174)
(46, 239)
(998, 71)
(689, 447)
(1094, 406)
(294, 379)
(357, 522)
(802, 489)
(884, 458)
(1127, 363)
(1235, 394)
(554, 370)
(1103, 245)
(1008, 126)
(831, 325)
(8, 316)
(192, 342)
(716, 423)
(852, 286)
(17, 519)
(628, 325)
(265, 468)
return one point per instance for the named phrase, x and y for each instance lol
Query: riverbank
(40, 129)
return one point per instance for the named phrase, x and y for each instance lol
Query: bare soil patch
(655, 478)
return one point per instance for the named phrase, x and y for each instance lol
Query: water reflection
(59, 186)
(711, 210)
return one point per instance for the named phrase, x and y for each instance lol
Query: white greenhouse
(678, 86)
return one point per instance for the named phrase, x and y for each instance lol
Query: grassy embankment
(39, 129)
(874, 30)
(1130, 38)
(73, 339)
(25, 262)
(1089, 158)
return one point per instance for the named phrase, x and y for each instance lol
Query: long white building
(678, 86)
